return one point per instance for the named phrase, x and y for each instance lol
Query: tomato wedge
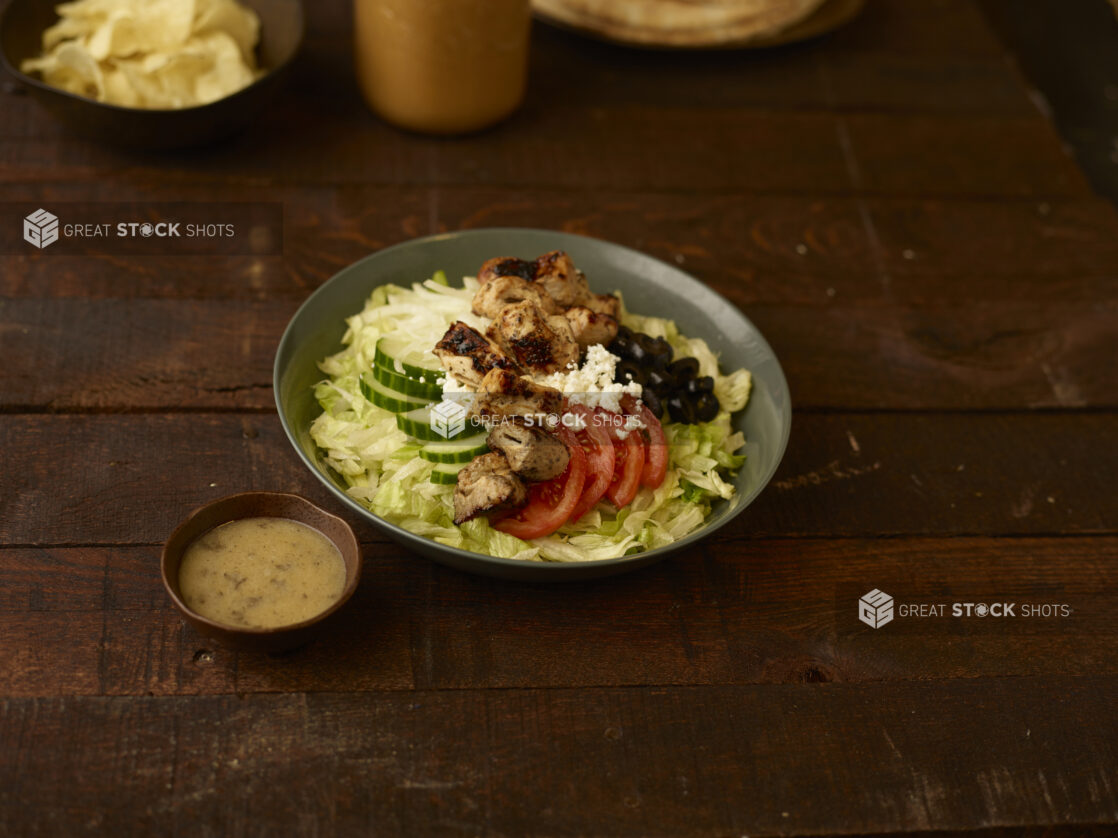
(627, 467)
(598, 447)
(656, 451)
(550, 503)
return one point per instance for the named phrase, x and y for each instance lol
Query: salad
(520, 415)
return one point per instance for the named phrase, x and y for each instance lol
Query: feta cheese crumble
(592, 384)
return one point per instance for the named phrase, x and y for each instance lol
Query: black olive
(683, 370)
(627, 371)
(646, 342)
(681, 410)
(659, 362)
(622, 346)
(706, 407)
(652, 402)
(697, 386)
(662, 347)
(658, 380)
(625, 332)
(637, 353)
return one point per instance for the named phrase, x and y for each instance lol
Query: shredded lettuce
(382, 471)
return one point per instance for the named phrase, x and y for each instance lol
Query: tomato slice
(656, 452)
(551, 502)
(598, 447)
(627, 467)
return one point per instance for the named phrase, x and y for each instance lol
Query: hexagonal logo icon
(40, 228)
(448, 418)
(875, 609)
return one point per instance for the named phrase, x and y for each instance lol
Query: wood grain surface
(898, 216)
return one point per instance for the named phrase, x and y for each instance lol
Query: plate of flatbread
(699, 24)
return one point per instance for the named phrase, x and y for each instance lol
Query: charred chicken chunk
(535, 342)
(590, 328)
(606, 304)
(532, 452)
(486, 484)
(467, 355)
(504, 393)
(557, 275)
(506, 266)
(503, 290)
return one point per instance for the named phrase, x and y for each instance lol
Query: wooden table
(895, 214)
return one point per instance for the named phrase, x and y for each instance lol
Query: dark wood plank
(930, 27)
(772, 760)
(752, 242)
(625, 147)
(926, 155)
(219, 354)
(762, 248)
(1072, 245)
(763, 612)
(812, 75)
(138, 354)
(541, 145)
(917, 82)
(949, 474)
(981, 355)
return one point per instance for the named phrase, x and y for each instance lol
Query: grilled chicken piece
(486, 484)
(590, 328)
(606, 304)
(558, 276)
(499, 292)
(506, 266)
(536, 343)
(532, 452)
(504, 393)
(559, 283)
(467, 355)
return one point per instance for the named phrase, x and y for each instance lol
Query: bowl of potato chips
(152, 73)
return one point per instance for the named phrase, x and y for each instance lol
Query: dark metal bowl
(281, 34)
(649, 286)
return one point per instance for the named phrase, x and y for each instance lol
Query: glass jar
(442, 66)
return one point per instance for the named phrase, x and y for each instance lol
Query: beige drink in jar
(442, 66)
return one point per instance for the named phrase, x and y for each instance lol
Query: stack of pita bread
(681, 23)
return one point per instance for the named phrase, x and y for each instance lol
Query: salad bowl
(649, 287)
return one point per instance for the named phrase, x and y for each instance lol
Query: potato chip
(240, 23)
(119, 90)
(66, 29)
(71, 67)
(86, 9)
(150, 53)
(228, 72)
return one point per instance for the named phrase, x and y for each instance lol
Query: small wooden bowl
(260, 505)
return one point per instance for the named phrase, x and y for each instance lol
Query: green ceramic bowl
(649, 287)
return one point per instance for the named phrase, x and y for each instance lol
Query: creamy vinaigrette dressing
(261, 573)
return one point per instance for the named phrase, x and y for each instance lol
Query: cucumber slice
(460, 450)
(388, 398)
(408, 386)
(404, 357)
(417, 423)
(447, 473)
